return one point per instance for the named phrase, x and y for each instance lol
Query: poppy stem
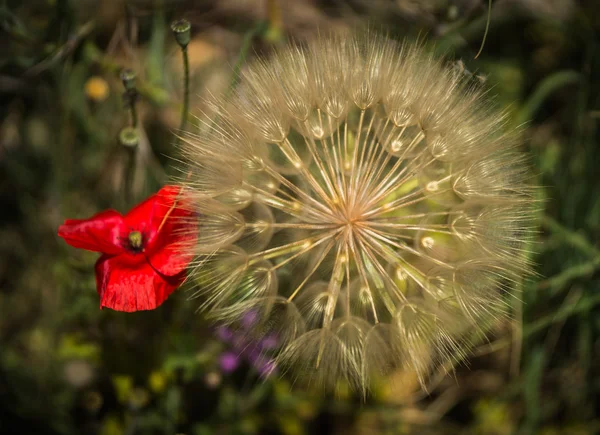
(133, 112)
(129, 138)
(186, 89)
(129, 176)
(131, 95)
(182, 33)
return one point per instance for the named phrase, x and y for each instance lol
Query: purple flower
(224, 334)
(228, 361)
(268, 342)
(243, 347)
(249, 319)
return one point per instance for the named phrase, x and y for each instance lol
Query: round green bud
(129, 137)
(128, 78)
(182, 30)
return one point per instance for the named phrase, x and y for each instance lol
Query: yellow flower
(96, 89)
(157, 381)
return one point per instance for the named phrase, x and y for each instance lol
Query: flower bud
(128, 78)
(129, 137)
(182, 32)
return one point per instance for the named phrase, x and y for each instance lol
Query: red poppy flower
(141, 263)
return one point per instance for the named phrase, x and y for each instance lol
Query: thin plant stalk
(186, 89)
(129, 139)
(128, 136)
(182, 33)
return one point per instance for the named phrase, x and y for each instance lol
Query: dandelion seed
(365, 203)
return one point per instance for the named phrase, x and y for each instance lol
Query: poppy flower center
(136, 241)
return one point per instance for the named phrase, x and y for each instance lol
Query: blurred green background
(67, 367)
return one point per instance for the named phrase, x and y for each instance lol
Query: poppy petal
(100, 233)
(170, 253)
(148, 216)
(125, 288)
(172, 250)
(141, 218)
(170, 261)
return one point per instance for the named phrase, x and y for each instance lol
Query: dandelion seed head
(365, 202)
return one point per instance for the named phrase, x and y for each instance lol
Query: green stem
(129, 139)
(559, 281)
(572, 238)
(129, 176)
(186, 89)
(257, 30)
(577, 241)
(487, 28)
(547, 86)
(275, 28)
(156, 95)
(133, 112)
(581, 306)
